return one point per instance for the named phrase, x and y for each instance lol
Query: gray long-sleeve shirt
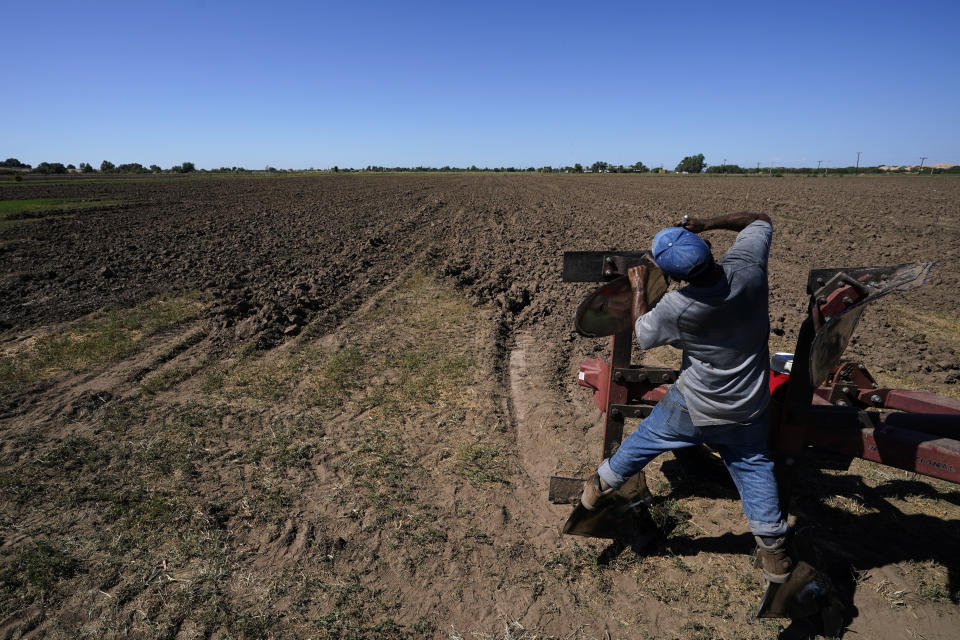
(723, 331)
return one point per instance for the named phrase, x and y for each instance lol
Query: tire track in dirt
(531, 409)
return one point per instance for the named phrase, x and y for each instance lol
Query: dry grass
(148, 522)
(938, 326)
(97, 339)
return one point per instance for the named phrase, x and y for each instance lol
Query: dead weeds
(93, 341)
(166, 497)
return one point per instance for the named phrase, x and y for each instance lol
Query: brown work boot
(594, 491)
(774, 560)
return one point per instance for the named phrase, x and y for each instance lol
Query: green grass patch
(337, 378)
(480, 464)
(14, 212)
(97, 339)
(75, 453)
(404, 355)
(428, 372)
(379, 457)
(353, 612)
(169, 377)
(670, 517)
(8, 207)
(198, 176)
(33, 572)
(21, 486)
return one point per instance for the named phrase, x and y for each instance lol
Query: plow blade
(621, 514)
(807, 594)
(842, 296)
(607, 311)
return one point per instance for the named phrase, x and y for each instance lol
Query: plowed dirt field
(328, 406)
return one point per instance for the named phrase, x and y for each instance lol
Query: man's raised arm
(731, 222)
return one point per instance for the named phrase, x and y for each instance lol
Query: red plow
(821, 402)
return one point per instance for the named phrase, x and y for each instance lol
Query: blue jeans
(743, 447)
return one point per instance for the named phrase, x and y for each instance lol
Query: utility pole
(724, 167)
(922, 158)
(858, 160)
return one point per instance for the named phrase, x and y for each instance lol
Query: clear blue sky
(394, 83)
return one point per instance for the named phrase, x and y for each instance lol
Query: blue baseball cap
(680, 253)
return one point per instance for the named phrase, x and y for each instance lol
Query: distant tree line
(596, 167)
(697, 164)
(13, 164)
(812, 171)
(690, 164)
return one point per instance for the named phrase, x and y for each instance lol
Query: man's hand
(693, 225)
(638, 276)
(638, 282)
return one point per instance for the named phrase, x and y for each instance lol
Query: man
(720, 320)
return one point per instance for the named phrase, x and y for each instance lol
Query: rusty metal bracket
(649, 375)
(599, 266)
(851, 385)
(840, 280)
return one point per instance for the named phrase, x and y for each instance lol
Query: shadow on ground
(844, 544)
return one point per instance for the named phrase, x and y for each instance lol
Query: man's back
(723, 330)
